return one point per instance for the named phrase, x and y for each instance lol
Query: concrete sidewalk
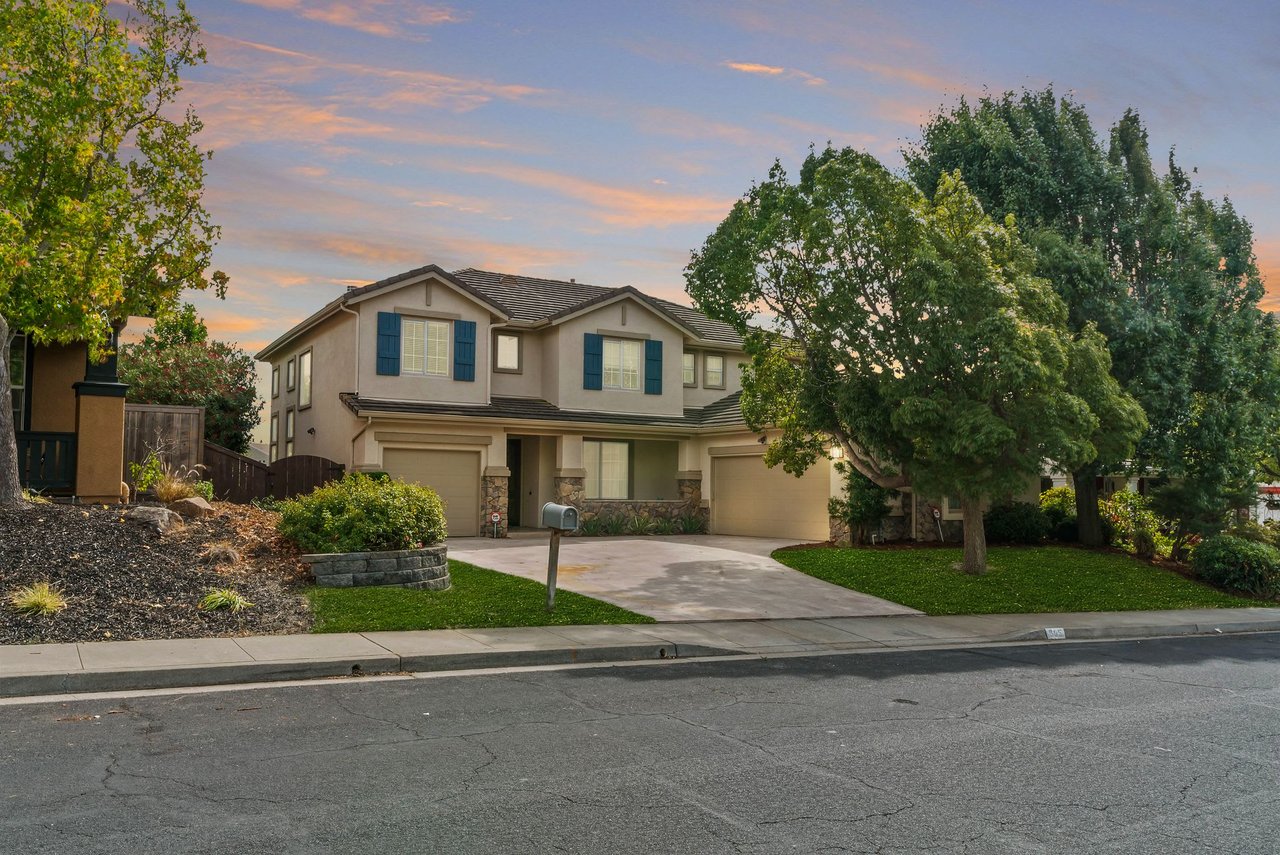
(45, 669)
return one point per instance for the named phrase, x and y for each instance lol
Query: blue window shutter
(464, 350)
(652, 367)
(592, 361)
(388, 343)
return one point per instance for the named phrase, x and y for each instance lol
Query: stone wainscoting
(654, 509)
(405, 568)
(495, 491)
(895, 528)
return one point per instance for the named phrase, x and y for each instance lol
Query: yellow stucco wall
(52, 399)
(99, 448)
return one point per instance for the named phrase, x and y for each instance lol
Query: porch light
(836, 452)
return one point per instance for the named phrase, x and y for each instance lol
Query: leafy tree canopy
(1165, 273)
(100, 176)
(911, 329)
(176, 363)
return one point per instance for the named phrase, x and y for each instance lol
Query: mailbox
(562, 517)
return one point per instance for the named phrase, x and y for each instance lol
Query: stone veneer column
(840, 534)
(571, 487)
(495, 489)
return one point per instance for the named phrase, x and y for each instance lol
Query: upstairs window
(689, 365)
(622, 364)
(608, 466)
(275, 437)
(289, 424)
(290, 378)
(424, 347)
(713, 371)
(506, 353)
(304, 380)
(275, 381)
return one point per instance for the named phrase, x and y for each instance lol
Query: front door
(513, 492)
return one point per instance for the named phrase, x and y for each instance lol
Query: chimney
(574, 281)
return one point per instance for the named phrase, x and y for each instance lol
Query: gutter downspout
(355, 386)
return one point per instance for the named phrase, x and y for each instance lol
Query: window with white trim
(275, 438)
(507, 352)
(713, 371)
(689, 365)
(622, 364)
(608, 466)
(424, 347)
(952, 509)
(18, 379)
(289, 423)
(304, 379)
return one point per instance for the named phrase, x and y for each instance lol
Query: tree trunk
(10, 489)
(1088, 520)
(975, 536)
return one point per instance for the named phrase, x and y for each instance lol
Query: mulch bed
(123, 581)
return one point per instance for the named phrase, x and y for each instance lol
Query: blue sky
(355, 139)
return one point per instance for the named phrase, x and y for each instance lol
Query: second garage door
(455, 475)
(748, 498)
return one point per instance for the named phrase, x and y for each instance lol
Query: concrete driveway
(684, 577)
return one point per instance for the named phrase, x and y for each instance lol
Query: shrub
(168, 482)
(1127, 513)
(639, 524)
(1016, 522)
(1253, 532)
(362, 514)
(171, 488)
(692, 524)
(224, 598)
(1059, 505)
(1236, 564)
(592, 527)
(864, 505)
(38, 599)
(666, 526)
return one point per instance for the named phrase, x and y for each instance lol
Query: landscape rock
(193, 507)
(159, 520)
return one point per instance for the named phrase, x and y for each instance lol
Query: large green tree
(100, 176)
(176, 363)
(1161, 271)
(911, 331)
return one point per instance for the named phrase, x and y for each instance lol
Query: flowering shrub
(1137, 527)
(363, 514)
(177, 364)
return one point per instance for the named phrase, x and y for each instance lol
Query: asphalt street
(1162, 746)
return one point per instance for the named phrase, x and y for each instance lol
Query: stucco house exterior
(504, 392)
(68, 413)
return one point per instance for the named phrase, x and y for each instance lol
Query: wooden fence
(176, 433)
(237, 478)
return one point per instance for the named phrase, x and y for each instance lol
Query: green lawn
(479, 598)
(1019, 579)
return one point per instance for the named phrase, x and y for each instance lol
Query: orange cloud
(255, 112)
(261, 63)
(386, 18)
(775, 71)
(619, 206)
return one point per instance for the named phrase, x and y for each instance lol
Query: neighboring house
(69, 418)
(506, 392)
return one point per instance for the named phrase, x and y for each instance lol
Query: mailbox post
(558, 518)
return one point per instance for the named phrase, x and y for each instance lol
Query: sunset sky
(355, 139)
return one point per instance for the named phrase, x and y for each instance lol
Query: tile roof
(531, 299)
(722, 413)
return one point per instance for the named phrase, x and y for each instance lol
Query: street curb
(219, 674)
(1134, 632)
(70, 682)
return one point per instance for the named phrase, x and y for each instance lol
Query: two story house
(505, 392)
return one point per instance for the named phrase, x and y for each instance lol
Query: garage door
(748, 498)
(455, 475)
